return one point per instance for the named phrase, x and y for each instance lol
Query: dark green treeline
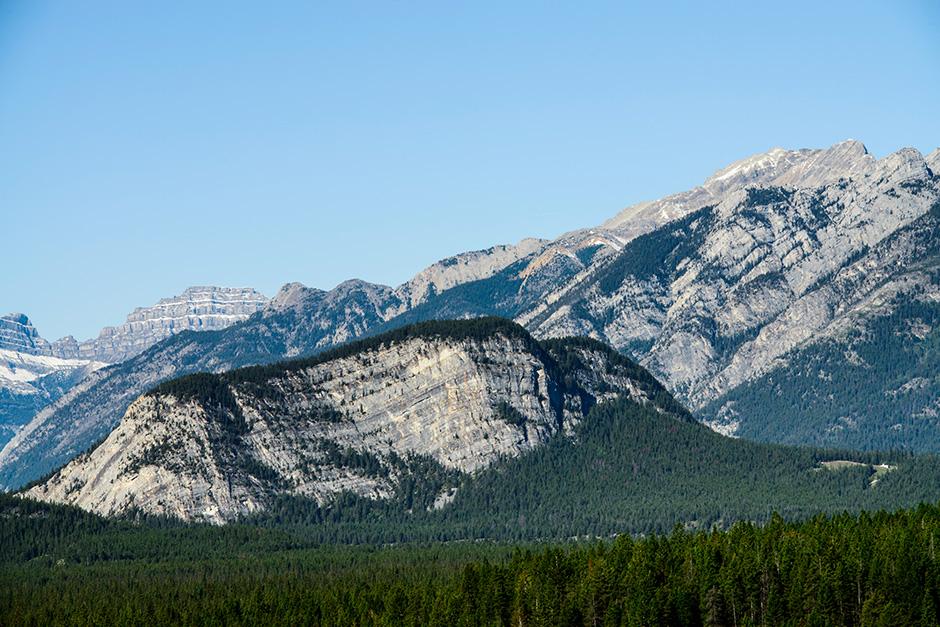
(870, 569)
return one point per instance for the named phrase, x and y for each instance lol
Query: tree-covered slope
(62, 566)
(875, 386)
(458, 430)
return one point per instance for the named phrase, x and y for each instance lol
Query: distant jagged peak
(756, 168)
(379, 296)
(20, 322)
(358, 285)
(846, 160)
(570, 245)
(202, 295)
(299, 298)
(802, 168)
(17, 333)
(292, 295)
(18, 318)
(66, 348)
(198, 308)
(903, 165)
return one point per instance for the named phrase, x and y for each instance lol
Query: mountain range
(456, 430)
(763, 299)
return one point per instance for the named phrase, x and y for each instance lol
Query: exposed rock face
(865, 375)
(196, 309)
(461, 394)
(933, 161)
(777, 167)
(711, 299)
(18, 334)
(297, 320)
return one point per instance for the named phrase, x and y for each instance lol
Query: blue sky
(147, 147)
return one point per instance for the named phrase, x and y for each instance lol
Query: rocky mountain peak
(803, 168)
(756, 169)
(17, 333)
(358, 285)
(198, 308)
(906, 164)
(465, 267)
(66, 347)
(291, 296)
(199, 301)
(846, 160)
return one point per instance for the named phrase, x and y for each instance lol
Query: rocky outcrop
(18, 334)
(458, 394)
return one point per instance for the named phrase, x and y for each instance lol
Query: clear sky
(147, 147)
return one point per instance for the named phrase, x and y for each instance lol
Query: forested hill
(424, 405)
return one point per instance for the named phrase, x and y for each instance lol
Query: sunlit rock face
(746, 289)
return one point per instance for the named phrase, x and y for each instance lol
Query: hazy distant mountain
(202, 308)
